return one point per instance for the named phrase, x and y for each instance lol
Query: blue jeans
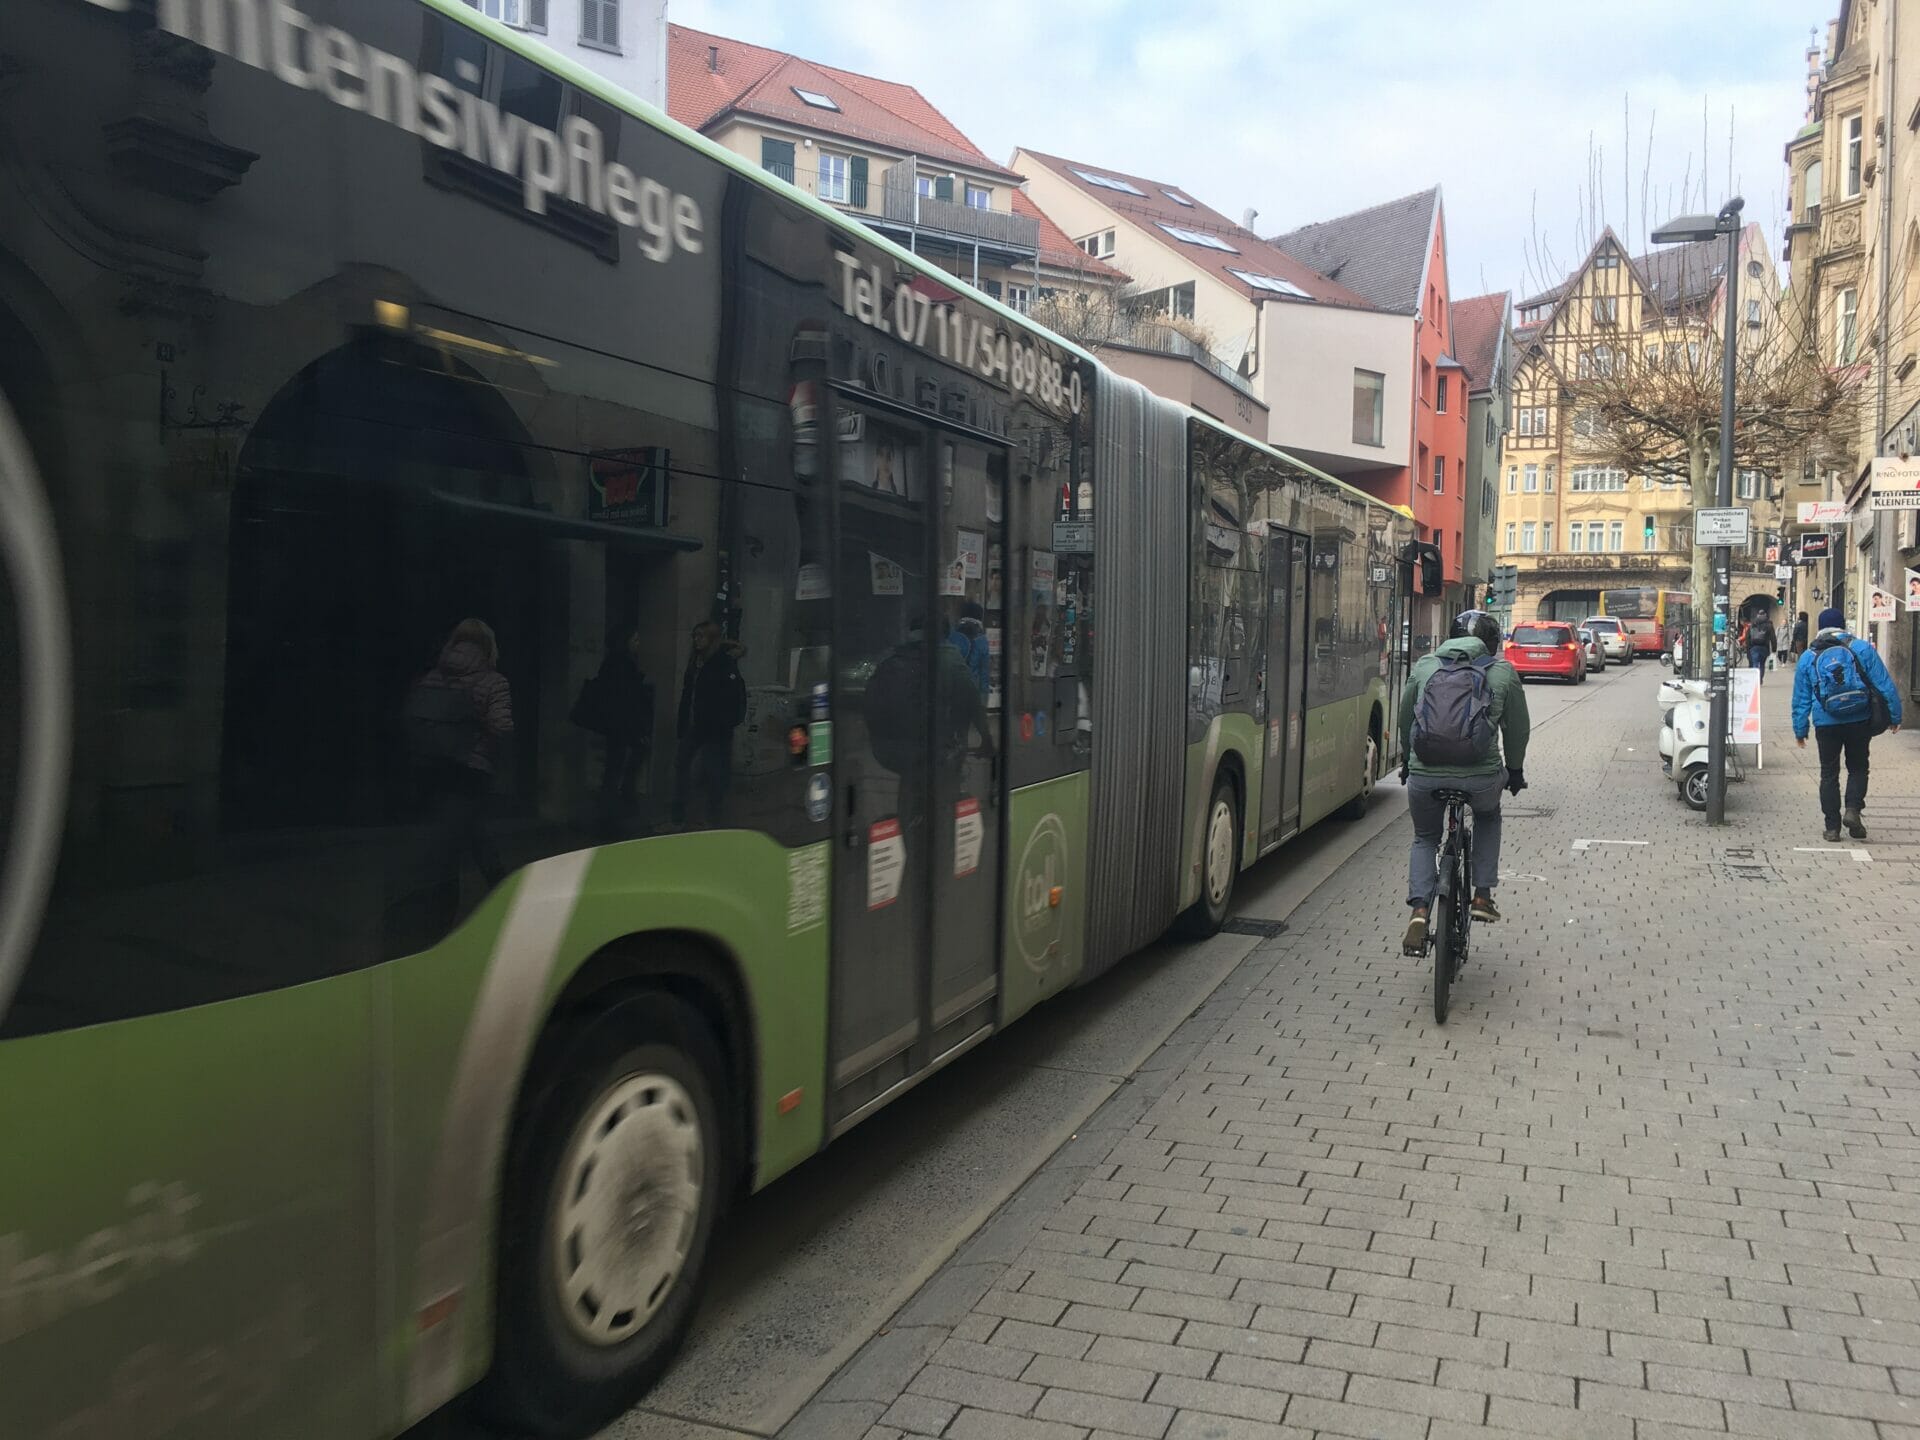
(1757, 657)
(1429, 816)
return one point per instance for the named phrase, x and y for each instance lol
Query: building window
(833, 177)
(1606, 309)
(1531, 484)
(1526, 422)
(1439, 475)
(1099, 244)
(1547, 479)
(1586, 423)
(1852, 129)
(1546, 536)
(1019, 297)
(1509, 544)
(979, 197)
(1489, 436)
(1575, 534)
(1597, 479)
(1616, 534)
(807, 97)
(1649, 534)
(1846, 339)
(1440, 394)
(508, 12)
(1747, 485)
(1513, 479)
(1810, 195)
(1526, 537)
(1369, 408)
(1540, 421)
(1607, 260)
(1426, 381)
(1753, 314)
(600, 25)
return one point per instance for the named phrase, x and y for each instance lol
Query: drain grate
(1526, 812)
(1265, 929)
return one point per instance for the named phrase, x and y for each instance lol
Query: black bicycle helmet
(1480, 625)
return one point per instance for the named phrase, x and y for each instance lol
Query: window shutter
(777, 156)
(610, 22)
(857, 188)
(943, 188)
(537, 15)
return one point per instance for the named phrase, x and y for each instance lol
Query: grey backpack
(1453, 719)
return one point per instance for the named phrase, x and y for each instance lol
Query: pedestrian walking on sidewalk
(1462, 704)
(1800, 636)
(1757, 639)
(1843, 689)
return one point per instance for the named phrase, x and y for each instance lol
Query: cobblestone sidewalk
(1658, 1178)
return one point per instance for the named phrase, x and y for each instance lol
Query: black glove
(1403, 774)
(1516, 781)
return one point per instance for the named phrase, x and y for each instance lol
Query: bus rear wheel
(1219, 864)
(611, 1195)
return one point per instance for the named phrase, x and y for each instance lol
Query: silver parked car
(1595, 652)
(1613, 638)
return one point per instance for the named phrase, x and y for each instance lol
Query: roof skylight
(1272, 283)
(1196, 237)
(815, 99)
(1107, 182)
(1177, 198)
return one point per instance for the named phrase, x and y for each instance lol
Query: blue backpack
(1839, 682)
(1453, 719)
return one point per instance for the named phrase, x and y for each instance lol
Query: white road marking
(1860, 857)
(1586, 844)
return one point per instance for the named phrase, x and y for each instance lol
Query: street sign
(1731, 526)
(1783, 572)
(1816, 545)
(1896, 483)
(1821, 512)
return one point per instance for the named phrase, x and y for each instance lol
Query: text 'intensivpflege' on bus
(278, 38)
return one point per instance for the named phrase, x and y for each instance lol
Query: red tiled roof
(1476, 334)
(1155, 206)
(753, 80)
(1057, 248)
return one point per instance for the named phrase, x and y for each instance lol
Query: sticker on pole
(968, 832)
(886, 863)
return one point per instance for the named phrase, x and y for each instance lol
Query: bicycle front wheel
(1442, 930)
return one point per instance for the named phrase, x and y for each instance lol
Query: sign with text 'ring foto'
(1896, 483)
(1729, 526)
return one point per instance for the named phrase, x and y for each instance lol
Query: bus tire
(1219, 864)
(617, 1175)
(1356, 808)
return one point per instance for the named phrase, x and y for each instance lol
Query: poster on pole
(1913, 592)
(1880, 606)
(1743, 714)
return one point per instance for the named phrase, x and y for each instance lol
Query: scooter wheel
(1693, 787)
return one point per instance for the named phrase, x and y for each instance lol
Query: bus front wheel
(612, 1192)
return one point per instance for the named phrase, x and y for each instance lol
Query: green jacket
(1509, 708)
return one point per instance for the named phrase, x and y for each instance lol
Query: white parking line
(1860, 857)
(1585, 844)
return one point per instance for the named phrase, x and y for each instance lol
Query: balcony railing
(1149, 332)
(902, 203)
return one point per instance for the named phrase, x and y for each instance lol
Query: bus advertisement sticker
(968, 832)
(820, 743)
(1026, 725)
(819, 798)
(1040, 723)
(886, 863)
(1273, 737)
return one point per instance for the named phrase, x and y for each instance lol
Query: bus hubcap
(628, 1203)
(1373, 764)
(1219, 853)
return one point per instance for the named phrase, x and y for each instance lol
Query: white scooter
(1684, 740)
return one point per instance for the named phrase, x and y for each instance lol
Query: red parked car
(1546, 647)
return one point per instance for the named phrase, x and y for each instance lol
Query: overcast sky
(1307, 109)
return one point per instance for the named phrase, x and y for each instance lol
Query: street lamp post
(1690, 228)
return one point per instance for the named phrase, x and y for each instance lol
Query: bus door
(916, 775)
(1286, 686)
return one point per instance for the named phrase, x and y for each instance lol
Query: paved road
(1658, 1179)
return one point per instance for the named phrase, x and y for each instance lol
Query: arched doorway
(350, 560)
(1569, 604)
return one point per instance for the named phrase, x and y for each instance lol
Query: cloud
(1306, 109)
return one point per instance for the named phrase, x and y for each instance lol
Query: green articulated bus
(543, 676)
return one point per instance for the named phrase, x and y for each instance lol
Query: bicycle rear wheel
(1442, 929)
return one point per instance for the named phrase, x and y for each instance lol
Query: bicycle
(1450, 917)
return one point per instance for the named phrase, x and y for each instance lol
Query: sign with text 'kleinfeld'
(1895, 483)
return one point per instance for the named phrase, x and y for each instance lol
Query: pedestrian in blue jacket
(1833, 689)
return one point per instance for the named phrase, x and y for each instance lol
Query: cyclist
(1491, 719)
